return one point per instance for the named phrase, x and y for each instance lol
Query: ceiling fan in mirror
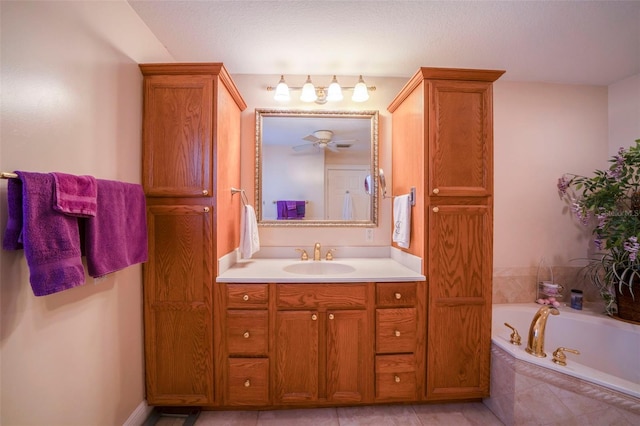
(323, 139)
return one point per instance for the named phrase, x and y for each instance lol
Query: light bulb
(335, 91)
(360, 92)
(282, 91)
(308, 91)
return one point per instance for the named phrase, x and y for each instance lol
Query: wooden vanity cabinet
(442, 130)
(323, 347)
(191, 123)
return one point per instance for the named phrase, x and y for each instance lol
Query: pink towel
(51, 240)
(117, 236)
(74, 195)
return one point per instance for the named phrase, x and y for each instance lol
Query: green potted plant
(610, 202)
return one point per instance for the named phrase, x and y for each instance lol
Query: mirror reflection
(314, 168)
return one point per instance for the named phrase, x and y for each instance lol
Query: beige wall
(71, 102)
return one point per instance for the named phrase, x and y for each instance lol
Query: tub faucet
(316, 251)
(535, 344)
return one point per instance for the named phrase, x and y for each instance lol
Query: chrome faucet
(316, 251)
(535, 344)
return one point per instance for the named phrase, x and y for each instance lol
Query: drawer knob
(396, 378)
(314, 317)
(397, 333)
(331, 316)
(206, 209)
(246, 335)
(436, 191)
(205, 192)
(398, 296)
(247, 383)
(435, 209)
(245, 297)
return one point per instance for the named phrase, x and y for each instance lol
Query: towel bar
(243, 196)
(7, 175)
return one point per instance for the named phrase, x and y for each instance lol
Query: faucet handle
(560, 358)
(515, 336)
(329, 255)
(304, 255)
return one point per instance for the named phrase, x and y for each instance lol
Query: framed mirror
(316, 168)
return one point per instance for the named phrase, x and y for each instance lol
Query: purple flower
(602, 220)
(632, 246)
(598, 243)
(581, 213)
(563, 185)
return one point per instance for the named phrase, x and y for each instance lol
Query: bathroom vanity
(372, 330)
(316, 338)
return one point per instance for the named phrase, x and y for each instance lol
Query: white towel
(249, 238)
(402, 220)
(347, 207)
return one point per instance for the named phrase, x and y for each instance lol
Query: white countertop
(263, 270)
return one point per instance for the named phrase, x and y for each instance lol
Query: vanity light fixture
(321, 94)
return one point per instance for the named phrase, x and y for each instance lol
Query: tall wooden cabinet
(191, 132)
(442, 129)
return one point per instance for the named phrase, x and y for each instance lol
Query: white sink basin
(319, 268)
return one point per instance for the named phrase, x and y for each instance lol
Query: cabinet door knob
(206, 209)
(245, 335)
(396, 379)
(436, 191)
(396, 333)
(314, 317)
(245, 297)
(247, 383)
(398, 296)
(435, 209)
(331, 316)
(205, 192)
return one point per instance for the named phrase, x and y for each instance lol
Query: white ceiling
(574, 42)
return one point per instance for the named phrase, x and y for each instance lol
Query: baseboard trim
(139, 415)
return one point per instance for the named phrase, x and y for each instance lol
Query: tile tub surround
(526, 394)
(518, 285)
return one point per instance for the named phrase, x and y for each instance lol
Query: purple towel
(51, 240)
(290, 209)
(13, 233)
(74, 195)
(117, 236)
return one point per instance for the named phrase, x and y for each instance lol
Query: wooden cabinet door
(178, 305)
(460, 139)
(349, 357)
(297, 356)
(459, 324)
(177, 136)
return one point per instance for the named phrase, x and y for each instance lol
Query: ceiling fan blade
(304, 147)
(343, 140)
(311, 138)
(332, 147)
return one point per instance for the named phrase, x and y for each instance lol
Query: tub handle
(515, 336)
(560, 358)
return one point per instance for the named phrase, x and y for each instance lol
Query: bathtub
(604, 376)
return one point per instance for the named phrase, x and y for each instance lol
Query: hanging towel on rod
(347, 207)
(402, 220)
(249, 237)
(75, 195)
(51, 240)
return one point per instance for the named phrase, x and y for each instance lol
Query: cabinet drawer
(396, 294)
(395, 330)
(321, 295)
(247, 332)
(247, 295)
(396, 377)
(248, 381)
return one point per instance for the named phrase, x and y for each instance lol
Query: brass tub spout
(535, 343)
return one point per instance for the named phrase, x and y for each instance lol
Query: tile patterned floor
(462, 414)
